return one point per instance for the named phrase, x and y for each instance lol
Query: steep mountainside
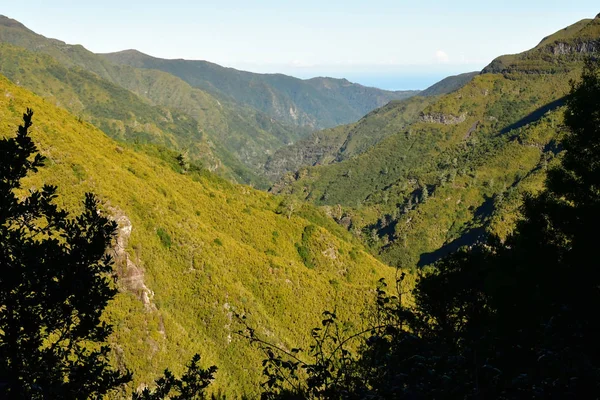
(117, 111)
(340, 143)
(193, 249)
(316, 103)
(555, 53)
(240, 134)
(449, 84)
(457, 171)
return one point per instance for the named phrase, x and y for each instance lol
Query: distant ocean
(388, 77)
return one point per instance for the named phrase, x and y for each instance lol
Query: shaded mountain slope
(316, 103)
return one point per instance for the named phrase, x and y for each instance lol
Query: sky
(392, 44)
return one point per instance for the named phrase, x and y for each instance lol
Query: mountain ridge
(457, 170)
(244, 136)
(303, 102)
(346, 141)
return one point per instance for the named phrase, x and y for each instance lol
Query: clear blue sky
(389, 43)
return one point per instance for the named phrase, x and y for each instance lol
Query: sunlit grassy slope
(200, 249)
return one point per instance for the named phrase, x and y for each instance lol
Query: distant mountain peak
(130, 53)
(11, 23)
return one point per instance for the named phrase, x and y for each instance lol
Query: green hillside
(555, 53)
(316, 103)
(458, 169)
(193, 248)
(346, 141)
(241, 137)
(449, 84)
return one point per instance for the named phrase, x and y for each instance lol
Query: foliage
(164, 236)
(288, 206)
(475, 151)
(286, 374)
(313, 103)
(144, 105)
(555, 54)
(190, 386)
(505, 320)
(176, 301)
(343, 361)
(54, 287)
(344, 142)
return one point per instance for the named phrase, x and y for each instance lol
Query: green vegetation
(144, 105)
(54, 287)
(344, 142)
(449, 84)
(315, 103)
(555, 54)
(178, 300)
(191, 385)
(197, 255)
(457, 172)
(164, 237)
(505, 319)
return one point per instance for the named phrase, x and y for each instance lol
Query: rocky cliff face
(310, 153)
(444, 119)
(130, 273)
(582, 47)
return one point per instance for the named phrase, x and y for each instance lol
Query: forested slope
(315, 103)
(451, 174)
(239, 137)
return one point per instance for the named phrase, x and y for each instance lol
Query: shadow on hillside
(468, 238)
(535, 115)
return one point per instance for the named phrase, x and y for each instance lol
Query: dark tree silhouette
(190, 386)
(54, 285)
(509, 320)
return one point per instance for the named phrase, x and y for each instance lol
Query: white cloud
(441, 56)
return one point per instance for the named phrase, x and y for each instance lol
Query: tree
(424, 194)
(189, 387)
(510, 320)
(183, 162)
(518, 312)
(55, 283)
(288, 206)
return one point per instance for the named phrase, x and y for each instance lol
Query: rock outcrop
(444, 119)
(131, 274)
(582, 47)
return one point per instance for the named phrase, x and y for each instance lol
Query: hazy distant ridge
(315, 103)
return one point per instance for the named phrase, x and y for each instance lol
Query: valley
(276, 198)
